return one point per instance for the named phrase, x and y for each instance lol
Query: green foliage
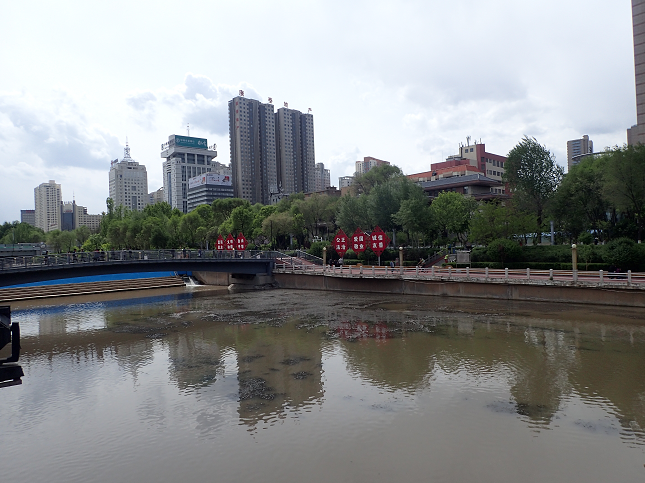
(452, 213)
(376, 176)
(504, 250)
(533, 177)
(499, 220)
(624, 254)
(16, 232)
(316, 248)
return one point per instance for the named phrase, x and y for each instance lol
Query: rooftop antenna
(126, 151)
(468, 140)
(188, 128)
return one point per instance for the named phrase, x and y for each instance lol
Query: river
(197, 385)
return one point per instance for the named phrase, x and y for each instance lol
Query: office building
(155, 197)
(252, 137)
(295, 151)
(368, 163)
(322, 177)
(128, 182)
(47, 200)
(82, 218)
(345, 181)
(185, 157)
(483, 170)
(636, 134)
(207, 188)
(578, 148)
(28, 216)
(67, 215)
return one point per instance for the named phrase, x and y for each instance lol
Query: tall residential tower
(48, 198)
(252, 136)
(636, 134)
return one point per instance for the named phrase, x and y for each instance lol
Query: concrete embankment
(67, 290)
(540, 292)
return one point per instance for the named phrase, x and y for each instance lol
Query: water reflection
(203, 363)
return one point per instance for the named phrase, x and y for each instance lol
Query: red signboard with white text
(219, 243)
(340, 243)
(359, 241)
(378, 241)
(240, 242)
(229, 243)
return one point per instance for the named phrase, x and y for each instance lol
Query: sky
(404, 81)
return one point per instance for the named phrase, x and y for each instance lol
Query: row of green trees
(602, 197)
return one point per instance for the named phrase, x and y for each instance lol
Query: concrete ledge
(625, 297)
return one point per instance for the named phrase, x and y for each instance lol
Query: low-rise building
(207, 188)
(28, 216)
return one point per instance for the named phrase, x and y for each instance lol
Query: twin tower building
(272, 153)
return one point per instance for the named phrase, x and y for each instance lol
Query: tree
(493, 220)
(352, 213)
(82, 234)
(579, 202)
(533, 177)
(380, 174)
(625, 182)
(452, 213)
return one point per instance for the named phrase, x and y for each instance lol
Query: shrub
(504, 250)
(625, 254)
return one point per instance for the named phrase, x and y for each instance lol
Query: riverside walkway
(527, 276)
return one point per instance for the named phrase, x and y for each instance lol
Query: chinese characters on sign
(378, 241)
(340, 243)
(230, 242)
(220, 243)
(241, 242)
(359, 241)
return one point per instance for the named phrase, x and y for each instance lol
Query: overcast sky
(404, 81)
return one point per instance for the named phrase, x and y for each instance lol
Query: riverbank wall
(542, 291)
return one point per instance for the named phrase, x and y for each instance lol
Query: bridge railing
(629, 278)
(61, 259)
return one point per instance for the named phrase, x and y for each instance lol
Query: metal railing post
(506, 274)
(372, 270)
(528, 274)
(433, 271)
(551, 274)
(601, 276)
(486, 271)
(575, 275)
(467, 272)
(629, 277)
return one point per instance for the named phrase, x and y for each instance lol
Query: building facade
(82, 218)
(204, 189)
(185, 157)
(636, 134)
(47, 201)
(128, 182)
(28, 216)
(155, 197)
(252, 136)
(474, 164)
(576, 148)
(368, 163)
(345, 181)
(322, 177)
(272, 152)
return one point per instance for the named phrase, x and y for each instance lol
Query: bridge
(28, 269)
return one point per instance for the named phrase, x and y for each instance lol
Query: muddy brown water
(201, 385)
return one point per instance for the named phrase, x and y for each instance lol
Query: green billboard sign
(189, 142)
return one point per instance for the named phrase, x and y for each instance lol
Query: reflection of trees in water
(194, 360)
(278, 367)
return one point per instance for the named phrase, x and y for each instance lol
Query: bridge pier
(237, 282)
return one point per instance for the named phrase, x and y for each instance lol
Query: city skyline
(408, 94)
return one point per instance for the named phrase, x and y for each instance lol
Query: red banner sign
(229, 243)
(241, 242)
(359, 241)
(340, 243)
(378, 241)
(219, 243)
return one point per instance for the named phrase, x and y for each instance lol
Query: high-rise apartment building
(272, 153)
(636, 134)
(322, 177)
(128, 182)
(252, 135)
(577, 148)
(185, 158)
(295, 150)
(47, 199)
(368, 163)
